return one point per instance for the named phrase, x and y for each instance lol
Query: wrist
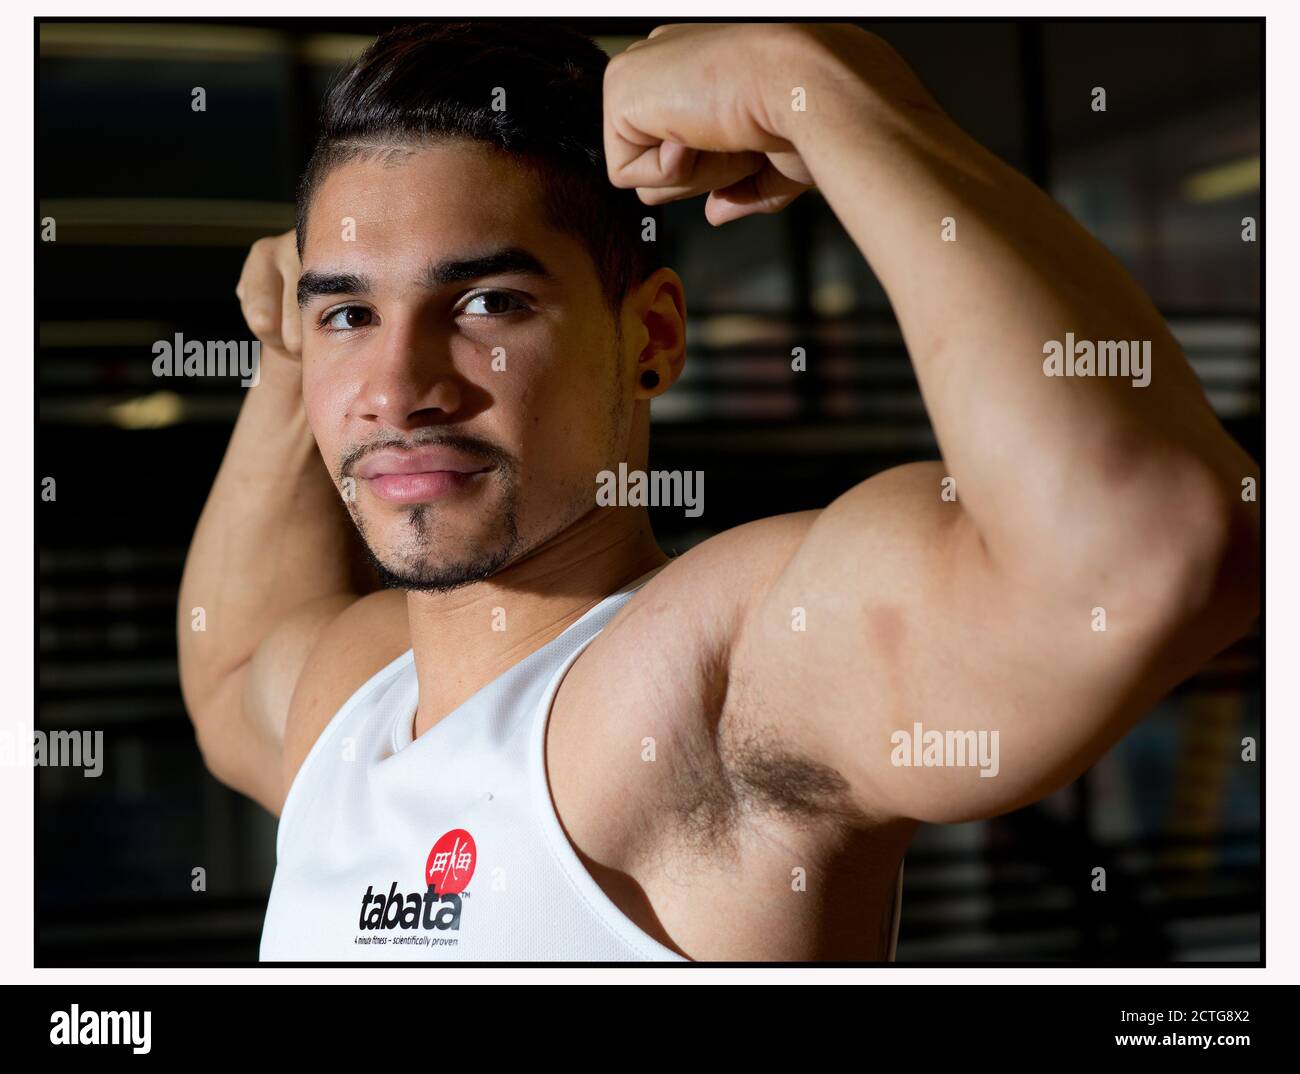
(281, 369)
(851, 80)
(277, 395)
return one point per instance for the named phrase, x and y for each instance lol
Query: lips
(419, 475)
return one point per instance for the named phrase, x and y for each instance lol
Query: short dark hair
(429, 81)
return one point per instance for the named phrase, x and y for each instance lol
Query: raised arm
(989, 278)
(270, 564)
(1093, 548)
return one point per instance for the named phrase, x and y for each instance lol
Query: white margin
(1283, 789)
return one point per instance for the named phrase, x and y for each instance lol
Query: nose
(410, 380)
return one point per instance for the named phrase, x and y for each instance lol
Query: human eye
(346, 318)
(492, 304)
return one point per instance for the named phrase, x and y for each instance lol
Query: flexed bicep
(942, 685)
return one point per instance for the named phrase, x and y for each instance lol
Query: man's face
(461, 373)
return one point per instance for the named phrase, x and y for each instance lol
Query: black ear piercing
(649, 379)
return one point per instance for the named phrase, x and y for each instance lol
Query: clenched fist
(268, 293)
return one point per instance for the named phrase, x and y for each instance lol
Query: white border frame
(1281, 693)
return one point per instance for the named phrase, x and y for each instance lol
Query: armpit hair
(743, 768)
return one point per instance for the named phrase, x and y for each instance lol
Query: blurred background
(156, 205)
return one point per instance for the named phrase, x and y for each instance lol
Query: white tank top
(446, 847)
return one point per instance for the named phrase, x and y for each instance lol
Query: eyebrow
(312, 283)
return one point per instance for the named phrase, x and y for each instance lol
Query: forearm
(983, 270)
(272, 537)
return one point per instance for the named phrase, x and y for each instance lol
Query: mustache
(469, 444)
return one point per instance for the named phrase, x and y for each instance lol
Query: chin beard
(421, 572)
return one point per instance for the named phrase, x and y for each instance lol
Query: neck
(466, 638)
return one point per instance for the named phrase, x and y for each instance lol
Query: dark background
(156, 206)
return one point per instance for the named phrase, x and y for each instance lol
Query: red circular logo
(451, 862)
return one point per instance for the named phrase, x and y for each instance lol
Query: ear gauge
(649, 379)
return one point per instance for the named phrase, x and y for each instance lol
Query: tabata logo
(447, 873)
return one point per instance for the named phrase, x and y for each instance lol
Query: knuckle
(653, 195)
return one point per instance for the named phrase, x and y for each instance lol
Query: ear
(654, 315)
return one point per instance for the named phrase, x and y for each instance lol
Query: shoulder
(711, 584)
(663, 659)
(658, 683)
(364, 638)
(708, 591)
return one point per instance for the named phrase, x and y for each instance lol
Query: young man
(546, 741)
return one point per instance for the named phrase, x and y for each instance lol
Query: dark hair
(428, 81)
